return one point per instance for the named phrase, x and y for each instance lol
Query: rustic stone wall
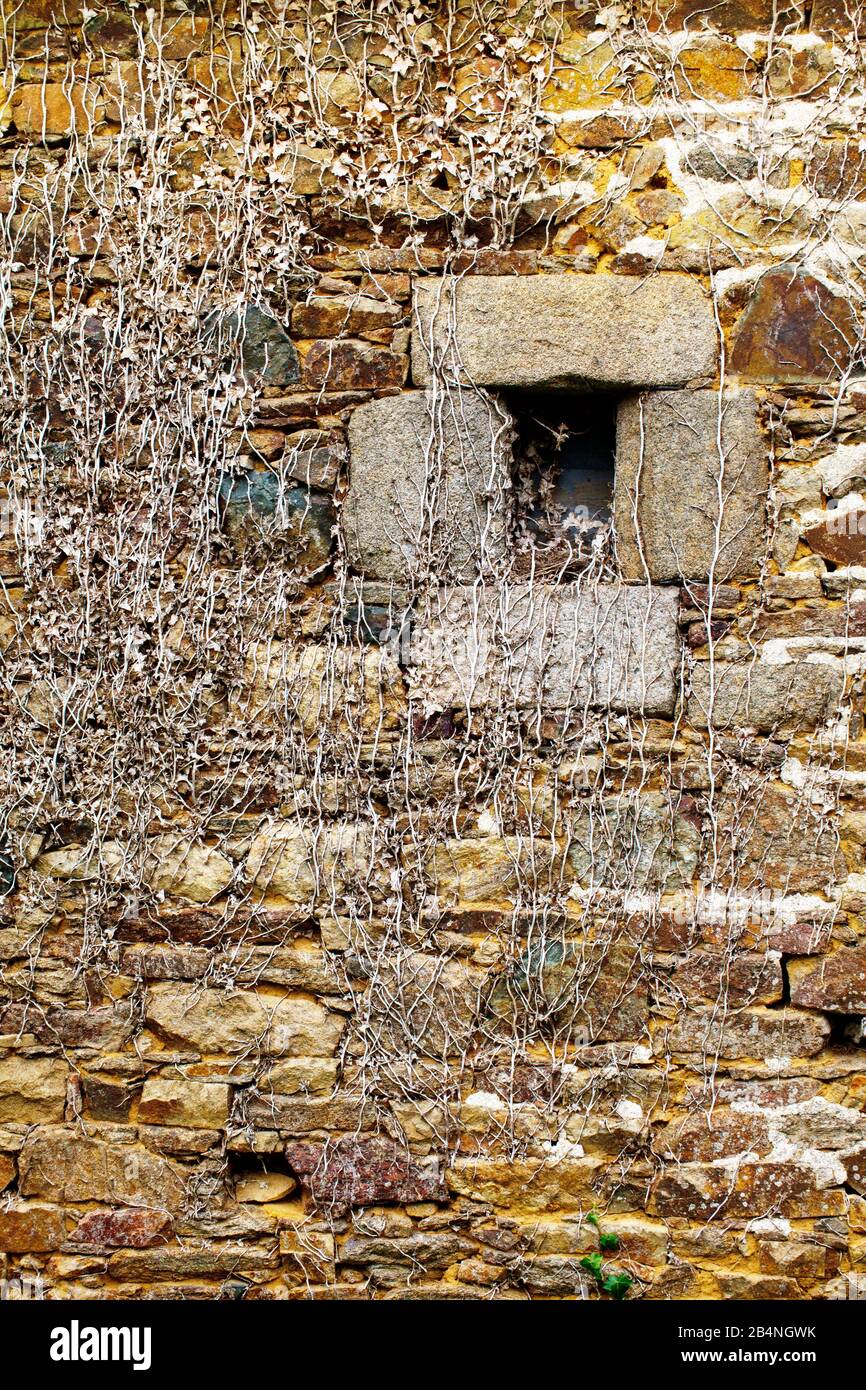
(433, 626)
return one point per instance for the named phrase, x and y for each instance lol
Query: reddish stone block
(352, 1172)
(134, 1229)
(794, 330)
(353, 365)
(836, 983)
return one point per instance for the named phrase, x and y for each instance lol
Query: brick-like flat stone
(669, 474)
(793, 694)
(428, 485)
(555, 647)
(580, 331)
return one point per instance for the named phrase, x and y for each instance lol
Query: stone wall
(425, 875)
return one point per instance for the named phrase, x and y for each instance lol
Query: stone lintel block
(584, 332)
(764, 696)
(428, 485)
(682, 458)
(554, 647)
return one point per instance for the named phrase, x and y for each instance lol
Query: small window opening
(564, 473)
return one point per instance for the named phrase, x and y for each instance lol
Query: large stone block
(428, 485)
(557, 648)
(221, 1021)
(300, 863)
(32, 1089)
(764, 696)
(683, 458)
(62, 1166)
(357, 1172)
(580, 331)
(836, 983)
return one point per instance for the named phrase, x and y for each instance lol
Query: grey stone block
(429, 484)
(580, 331)
(793, 695)
(549, 647)
(671, 476)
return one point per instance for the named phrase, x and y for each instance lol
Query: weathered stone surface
(267, 352)
(647, 841)
(433, 1251)
(819, 1124)
(729, 16)
(705, 1137)
(744, 977)
(428, 485)
(771, 837)
(840, 534)
(676, 452)
(54, 109)
(297, 863)
(206, 1261)
(134, 1229)
(764, 696)
(593, 991)
(197, 1104)
(185, 870)
(255, 505)
(359, 1173)
(581, 331)
(705, 1192)
(316, 687)
(265, 1187)
(61, 1166)
(221, 1021)
(32, 1089)
(836, 983)
(555, 647)
(352, 365)
(565, 1184)
(794, 330)
(25, 1228)
(7, 1171)
(305, 1075)
(421, 1003)
(296, 1115)
(755, 1032)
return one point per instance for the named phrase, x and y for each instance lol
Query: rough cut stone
(197, 1104)
(556, 648)
(267, 351)
(25, 1229)
(666, 491)
(592, 989)
(703, 1192)
(181, 869)
(792, 695)
(647, 841)
(771, 837)
(295, 862)
(358, 1173)
(756, 1032)
(836, 983)
(794, 330)
(579, 331)
(32, 1089)
(217, 1021)
(428, 485)
(317, 687)
(564, 1184)
(706, 1137)
(133, 1229)
(62, 1166)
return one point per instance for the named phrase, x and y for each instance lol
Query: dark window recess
(564, 466)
